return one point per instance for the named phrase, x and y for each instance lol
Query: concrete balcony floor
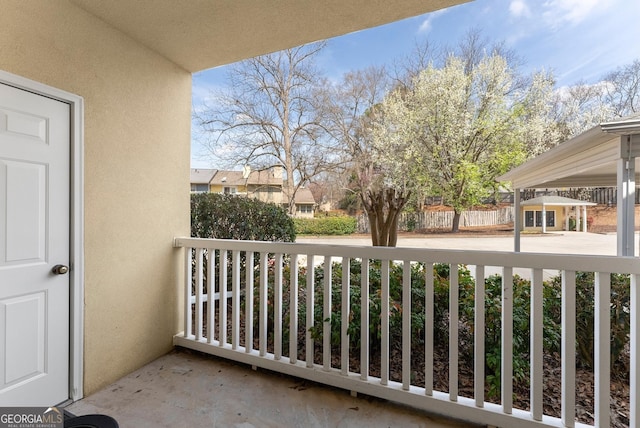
(186, 389)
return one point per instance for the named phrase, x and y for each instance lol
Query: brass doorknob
(60, 269)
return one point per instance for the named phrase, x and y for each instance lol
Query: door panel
(26, 202)
(34, 237)
(27, 312)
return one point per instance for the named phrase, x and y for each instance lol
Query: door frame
(76, 227)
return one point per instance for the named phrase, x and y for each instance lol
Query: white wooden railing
(200, 321)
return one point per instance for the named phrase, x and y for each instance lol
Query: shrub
(340, 225)
(232, 217)
(270, 302)
(552, 305)
(441, 302)
(493, 321)
(466, 296)
(620, 318)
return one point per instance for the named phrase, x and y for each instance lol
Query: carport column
(544, 219)
(626, 197)
(577, 218)
(584, 218)
(517, 220)
(567, 212)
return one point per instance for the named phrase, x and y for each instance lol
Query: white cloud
(572, 12)
(519, 8)
(427, 24)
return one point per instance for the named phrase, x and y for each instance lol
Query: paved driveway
(555, 243)
(559, 243)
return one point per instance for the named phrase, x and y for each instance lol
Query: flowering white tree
(462, 125)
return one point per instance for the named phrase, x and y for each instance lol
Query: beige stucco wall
(137, 131)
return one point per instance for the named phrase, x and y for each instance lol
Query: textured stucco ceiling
(201, 34)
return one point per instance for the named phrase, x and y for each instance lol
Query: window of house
(199, 187)
(230, 190)
(307, 209)
(534, 218)
(528, 218)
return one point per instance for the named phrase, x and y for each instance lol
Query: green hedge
(234, 217)
(325, 225)
(552, 307)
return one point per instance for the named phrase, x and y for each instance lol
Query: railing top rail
(588, 263)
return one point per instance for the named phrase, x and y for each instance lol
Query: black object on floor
(89, 421)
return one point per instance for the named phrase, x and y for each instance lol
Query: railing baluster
(199, 287)
(222, 323)
(344, 316)
(293, 309)
(364, 319)
(248, 300)
(188, 283)
(453, 332)
(536, 338)
(428, 328)
(568, 351)
(634, 358)
(478, 338)
(309, 345)
(264, 272)
(506, 372)
(384, 319)
(602, 349)
(326, 315)
(277, 307)
(211, 292)
(406, 325)
(235, 300)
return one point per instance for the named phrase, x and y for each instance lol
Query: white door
(34, 238)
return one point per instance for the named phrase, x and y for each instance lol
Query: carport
(606, 155)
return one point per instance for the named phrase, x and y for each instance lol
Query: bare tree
(579, 107)
(352, 111)
(622, 89)
(583, 105)
(269, 117)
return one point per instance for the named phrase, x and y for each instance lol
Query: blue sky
(578, 40)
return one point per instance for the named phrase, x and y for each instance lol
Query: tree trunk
(456, 221)
(383, 208)
(393, 230)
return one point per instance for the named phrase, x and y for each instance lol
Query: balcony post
(517, 220)
(634, 337)
(626, 197)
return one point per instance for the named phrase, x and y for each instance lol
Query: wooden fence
(444, 219)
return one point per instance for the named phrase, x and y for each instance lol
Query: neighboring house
(305, 204)
(552, 213)
(266, 186)
(95, 133)
(200, 180)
